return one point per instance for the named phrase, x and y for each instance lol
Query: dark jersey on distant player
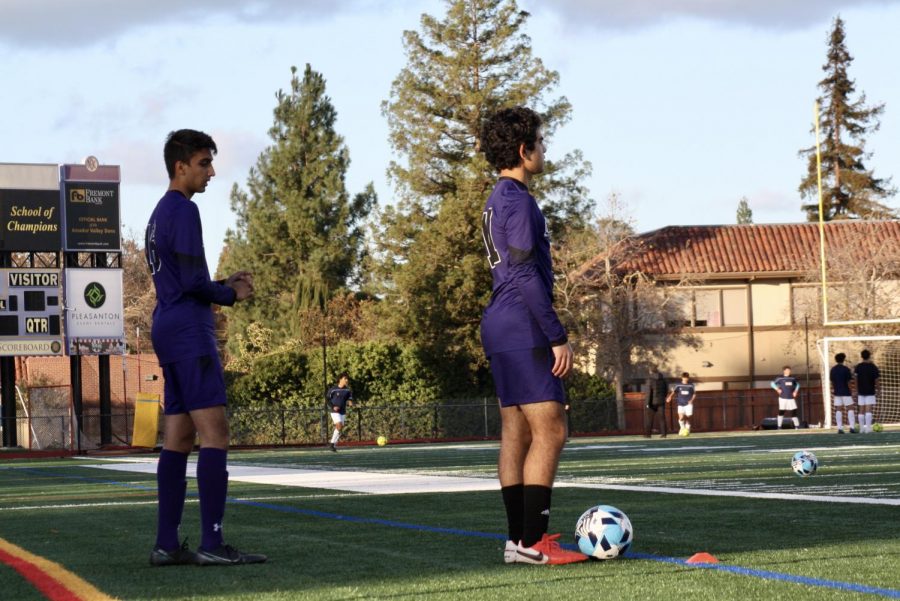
(866, 373)
(684, 393)
(520, 314)
(338, 397)
(173, 246)
(840, 379)
(786, 386)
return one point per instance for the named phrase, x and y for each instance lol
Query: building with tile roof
(753, 293)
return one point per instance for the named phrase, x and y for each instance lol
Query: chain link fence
(51, 422)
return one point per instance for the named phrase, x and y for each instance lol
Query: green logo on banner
(95, 295)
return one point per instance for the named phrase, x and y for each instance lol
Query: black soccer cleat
(333, 447)
(179, 557)
(226, 555)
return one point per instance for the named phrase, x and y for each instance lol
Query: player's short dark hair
(785, 367)
(840, 357)
(865, 354)
(505, 131)
(343, 375)
(181, 145)
(685, 374)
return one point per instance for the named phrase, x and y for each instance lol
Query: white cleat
(510, 552)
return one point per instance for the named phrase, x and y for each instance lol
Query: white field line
(349, 481)
(705, 492)
(189, 500)
(393, 483)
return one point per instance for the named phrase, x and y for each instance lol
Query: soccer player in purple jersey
(523, 338)
(185, 343)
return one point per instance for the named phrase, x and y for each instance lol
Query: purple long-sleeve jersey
(520, 314)
(183, 325)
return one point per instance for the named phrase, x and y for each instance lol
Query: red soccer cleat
(547, 551)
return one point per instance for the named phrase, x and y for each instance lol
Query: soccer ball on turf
(877, 427)
(603, 532)
(684, 432)
(381, 440)
(804, 463)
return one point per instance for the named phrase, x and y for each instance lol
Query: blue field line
(833, 584)
(819, 582)
(764, 574)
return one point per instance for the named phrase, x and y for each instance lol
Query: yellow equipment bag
(146, 420)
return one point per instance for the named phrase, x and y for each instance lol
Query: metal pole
(139, 356)
(105, 400)
(75, 380)
(806, 396)
(8, 390)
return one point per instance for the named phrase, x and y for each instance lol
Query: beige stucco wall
(771, 303)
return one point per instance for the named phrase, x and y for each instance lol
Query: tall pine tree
(297, 229)
(472, 62)
(849, 189)
(744, 212)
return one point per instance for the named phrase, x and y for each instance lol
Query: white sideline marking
(189, 501)
(849, 448)
(349, 481)
(397, 483)
(734, 493)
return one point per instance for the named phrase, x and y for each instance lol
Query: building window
(707, 309)
(734, 306)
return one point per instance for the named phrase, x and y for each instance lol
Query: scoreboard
(30, 312)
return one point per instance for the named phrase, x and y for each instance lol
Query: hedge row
(399, 391)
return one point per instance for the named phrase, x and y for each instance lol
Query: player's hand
(335, 409)
(243, 290)
(240, 275)
(563, 359)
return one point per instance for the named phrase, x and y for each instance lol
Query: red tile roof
(731, 250)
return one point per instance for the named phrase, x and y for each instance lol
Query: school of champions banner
(95, 318)
(29, 208)
(90, 208)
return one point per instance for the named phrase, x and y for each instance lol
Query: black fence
(466, 419)
(458, 420)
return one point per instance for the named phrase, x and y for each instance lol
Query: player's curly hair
(181, 145)
(505, 131)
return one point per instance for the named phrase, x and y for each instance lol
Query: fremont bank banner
(90, 208)
(95, 318)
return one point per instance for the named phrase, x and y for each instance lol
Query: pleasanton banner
(95, 317)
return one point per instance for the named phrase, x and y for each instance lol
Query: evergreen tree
(298, 231)
(474, 61)
(744, 212)
(849, 189)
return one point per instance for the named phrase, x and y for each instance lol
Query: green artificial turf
(101, 524)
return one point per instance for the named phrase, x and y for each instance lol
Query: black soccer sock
(514, 500)
(537, 513)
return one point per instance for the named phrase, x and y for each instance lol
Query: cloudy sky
(682, 106)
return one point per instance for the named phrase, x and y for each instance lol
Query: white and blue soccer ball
(804, 463)
(603, 532)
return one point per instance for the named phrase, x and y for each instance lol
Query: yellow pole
(821, 217)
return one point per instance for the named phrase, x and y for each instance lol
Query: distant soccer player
(684, 394)
(655, 395)
(338, 398)
(840, 377)
(523, 338)
(185, 342)
(788, 388)
(866, 374)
